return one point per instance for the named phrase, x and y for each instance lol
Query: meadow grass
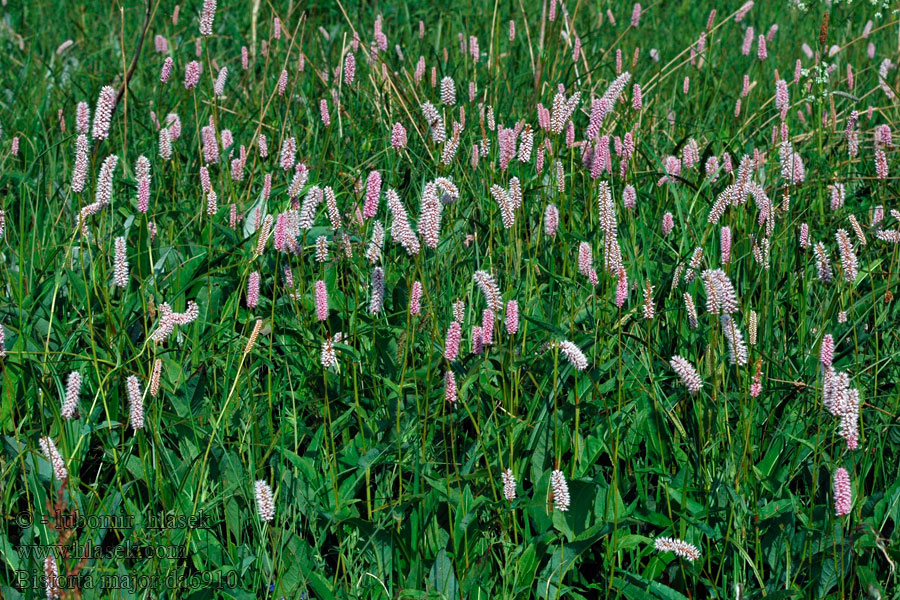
(272, 404)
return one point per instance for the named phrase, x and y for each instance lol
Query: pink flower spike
(321, 300)
(106, 103)
(843, 499)
(487, 327)
(668, 224)
(253, 290)
(621, 288)
(206, 17)
(450, 391)
(451, 344)
(192, 75)
(826, 352)
(398, 136)
(415, 297)
(166, 70)
(323, 109)
(373, 194)
(512, 317)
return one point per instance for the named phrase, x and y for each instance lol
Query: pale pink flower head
(551, 220)
(668, 224)
(687, 373)
(676, 546)
(82, 117)
(748, 42)
(253, 290)
(173, 122)
(192, 75)
(210, 144)
(742, 11)
(621, 288)
(451, 344)
(487, 327)
(282, 82)
(804, 236)
(450, 391)
(509, 481)
(585, 260)
(80, 168)
(323, 110)
(50, 452)
(573, 354)
(415, 299)
(629, 197)
(843, 498)
(560, 489)
(373, 194)
(477, 340)
(398, 136)
(881, 165)
(166, 70)
(221, 79)
(265, 505)
(73, 389)
(321, 300)
(135, 401)
(68, 44)
(725, 244)
(106, 103)
(826, 352)
(206, 17)
(143, 194)
(512, 317)
(349, 68)
(288, 150)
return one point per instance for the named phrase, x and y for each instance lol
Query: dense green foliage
(383, 488)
